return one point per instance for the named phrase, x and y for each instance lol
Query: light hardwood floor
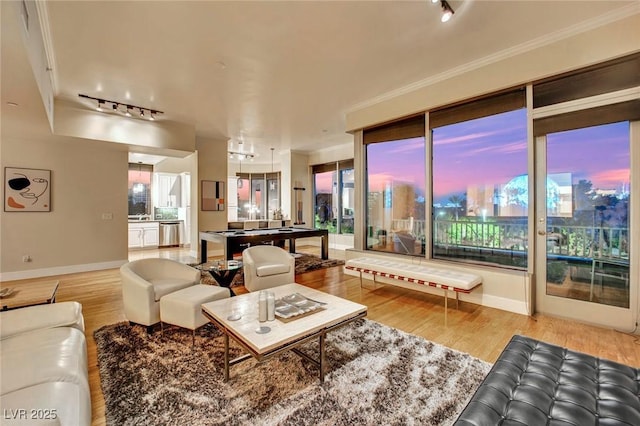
(480, 331)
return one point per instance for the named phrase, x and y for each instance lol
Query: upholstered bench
(183, 307)
(536, 383)
(422, 275)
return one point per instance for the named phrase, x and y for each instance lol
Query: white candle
(271, 306)
(262, 307)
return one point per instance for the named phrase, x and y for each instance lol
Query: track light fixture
(125, 109)
(241, 155)
(447, 11)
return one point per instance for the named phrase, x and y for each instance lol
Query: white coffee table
(285, 334)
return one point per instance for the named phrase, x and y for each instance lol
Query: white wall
(212, 165)
(88, 180)
(296, 174)
(516, 68)
(175, 165)
(162, 136)
(332, 154)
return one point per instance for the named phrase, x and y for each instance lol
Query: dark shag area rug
(376, 375)
(304, 263)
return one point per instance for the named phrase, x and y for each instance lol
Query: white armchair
(267, 266)
(145, 281)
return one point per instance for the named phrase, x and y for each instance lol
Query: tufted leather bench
(417, 275)
(535, 383)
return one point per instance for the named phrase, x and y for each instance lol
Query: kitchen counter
(148, 233)
(156, 220)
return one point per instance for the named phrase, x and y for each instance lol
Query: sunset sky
(493, 150)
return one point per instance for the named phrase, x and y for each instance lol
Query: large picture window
(480, 181)
(333, 186)
(140, 189)
(478, 176)
(395, 159)
(258, 195)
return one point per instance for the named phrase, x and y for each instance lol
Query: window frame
(335, 167)
(263, 179)
(409, 128)
(510, 100)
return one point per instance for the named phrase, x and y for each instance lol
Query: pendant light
(240, 177)
(272, 184)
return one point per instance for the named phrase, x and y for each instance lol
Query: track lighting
(241, 155)
(447, 11)
(125, 109)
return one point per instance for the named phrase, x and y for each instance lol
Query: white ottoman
(183, 307)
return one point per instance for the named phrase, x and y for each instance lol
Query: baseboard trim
(60, 270)
(502, 303)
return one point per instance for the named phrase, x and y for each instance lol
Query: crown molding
(599, 21)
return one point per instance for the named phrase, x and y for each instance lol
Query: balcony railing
(562, 240)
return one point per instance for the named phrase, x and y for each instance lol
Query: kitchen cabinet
(144, 234)
(167, 190)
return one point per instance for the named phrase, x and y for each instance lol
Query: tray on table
(295, 305)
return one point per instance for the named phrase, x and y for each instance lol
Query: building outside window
(273, 194)
(480, 189)
(244, 197)
(258, 195)
(333, 186)
(588, 220)
(396, 176)
(347, 191)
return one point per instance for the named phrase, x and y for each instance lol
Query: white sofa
(267, 266)
(43, 358)
(145, 281)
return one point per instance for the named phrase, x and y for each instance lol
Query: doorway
(584, 247)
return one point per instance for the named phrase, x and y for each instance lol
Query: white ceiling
(282, 74)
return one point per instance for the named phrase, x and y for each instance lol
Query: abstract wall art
(212, 195)
(27, 190)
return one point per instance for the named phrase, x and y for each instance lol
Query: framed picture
(212, 195)
(27, 190)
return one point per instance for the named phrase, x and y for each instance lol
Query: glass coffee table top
(222, 265)
(223, 271)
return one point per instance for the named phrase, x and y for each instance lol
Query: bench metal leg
(446, 299)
